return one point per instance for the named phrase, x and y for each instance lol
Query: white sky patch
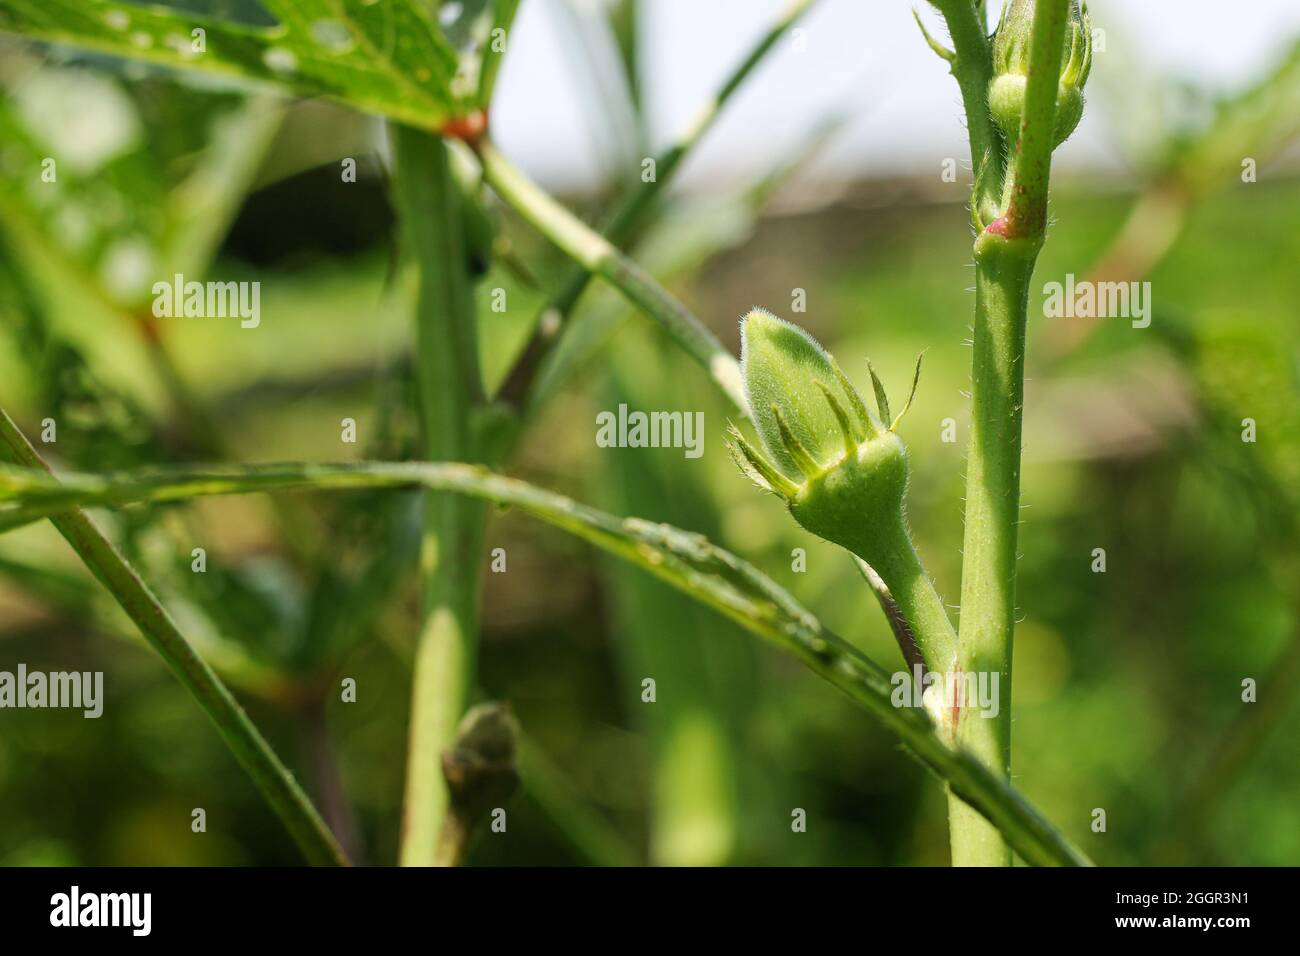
(863, 60)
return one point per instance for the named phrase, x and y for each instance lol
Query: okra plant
(843, 473)
(838, 466)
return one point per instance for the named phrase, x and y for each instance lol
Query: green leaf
(391, 57)
(95, 211)
(109, 209)
(688, 562)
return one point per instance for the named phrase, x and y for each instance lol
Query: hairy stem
(1004, 263)
(972, 67)
(250, 748)
(992, 514)
(899, 566)
(450, 389)
(597, 255)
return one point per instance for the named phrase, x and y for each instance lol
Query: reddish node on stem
(468, 128)
(1000, 227)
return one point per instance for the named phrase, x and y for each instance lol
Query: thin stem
(972, 67)
(631, 214)
(503, 17)
(250, 748)
(898, 623)
(695, 567)
(911, 589)
(1005, 254)
(450, 389)
(597, 255)
(560, 365)
(328, 783)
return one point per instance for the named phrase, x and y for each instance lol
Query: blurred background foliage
(1128, 683)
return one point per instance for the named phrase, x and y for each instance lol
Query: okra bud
(1011, 45)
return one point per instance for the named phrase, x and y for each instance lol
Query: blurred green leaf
(399, 58)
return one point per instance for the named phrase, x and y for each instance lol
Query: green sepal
(882, 400)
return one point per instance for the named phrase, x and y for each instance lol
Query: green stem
(992, 516)
(450, 390)
(596, 254)
(912, 590)
(503, 18)
(1005, 255)
(972, 67)
(250, 748)
(689, 563)
(631, 214)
